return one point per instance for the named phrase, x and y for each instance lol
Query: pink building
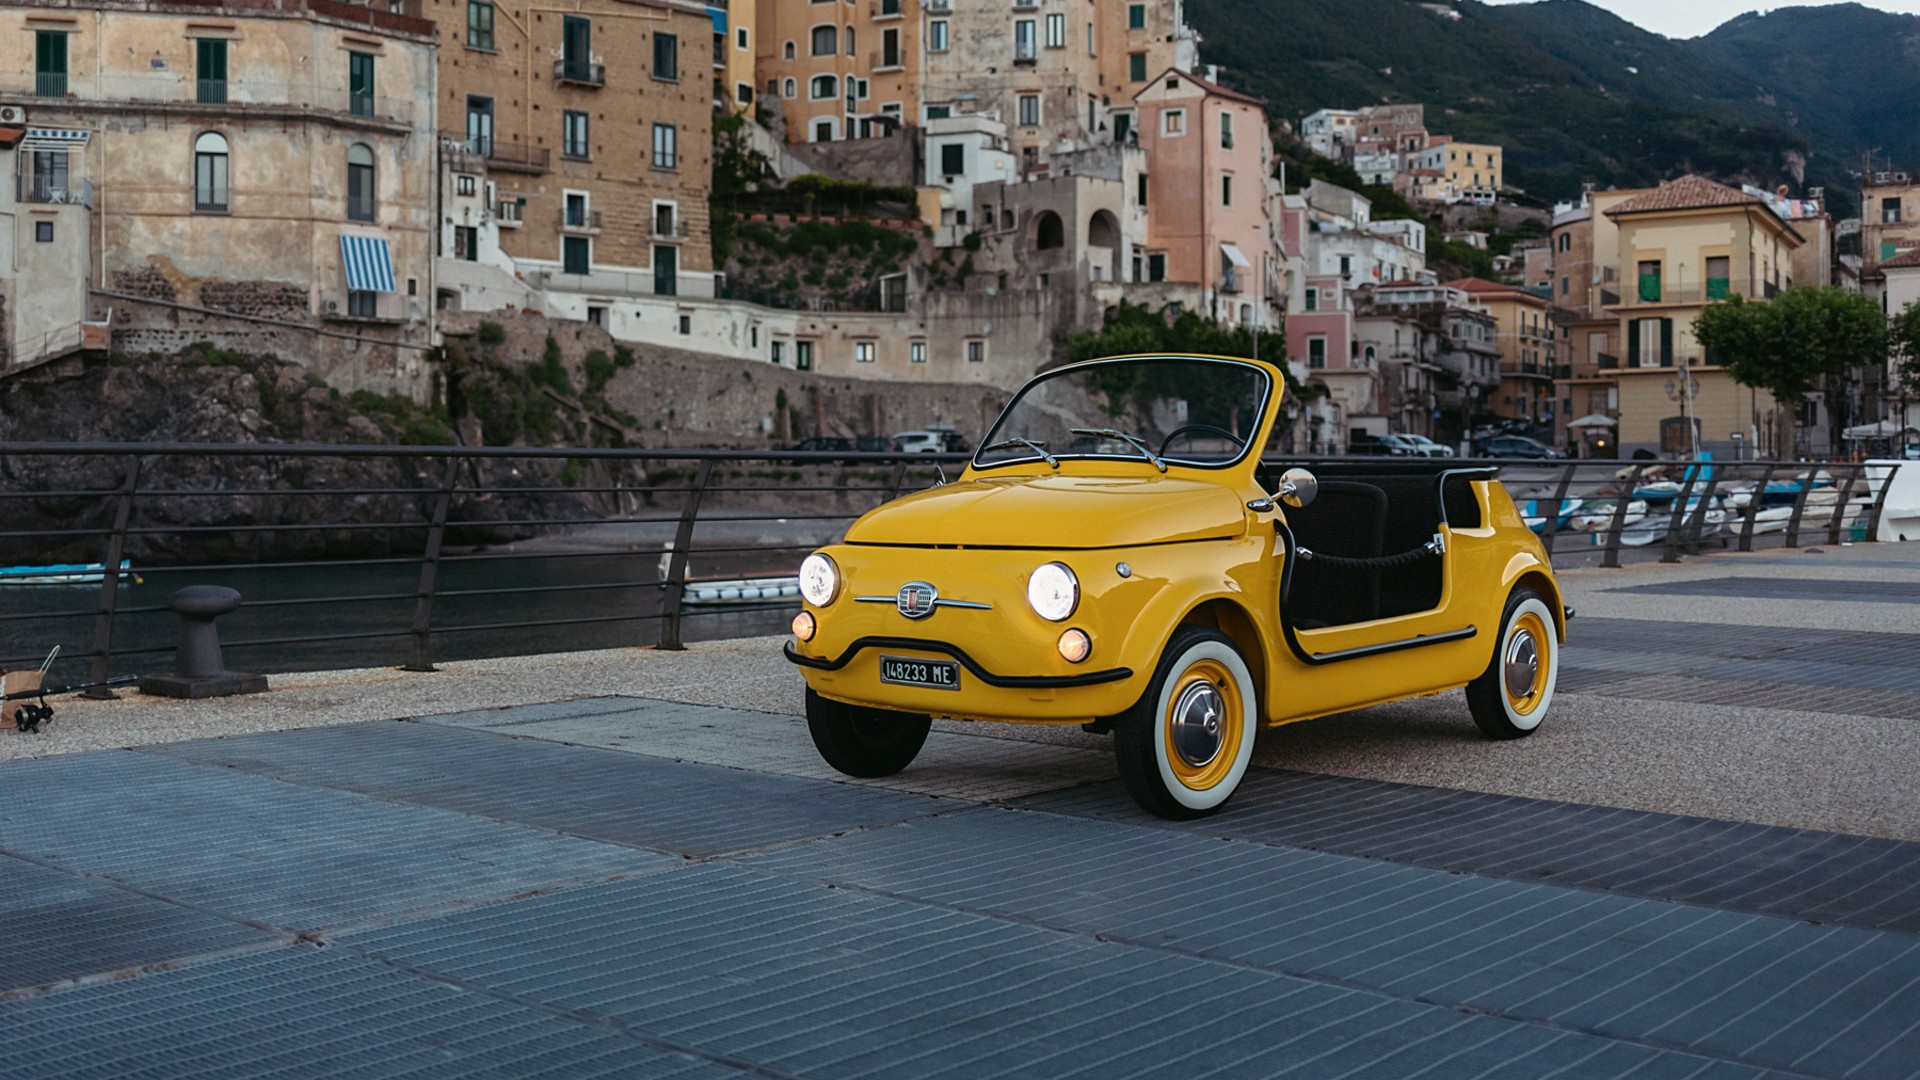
(1209, 157)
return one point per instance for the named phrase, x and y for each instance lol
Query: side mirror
(1298, 487)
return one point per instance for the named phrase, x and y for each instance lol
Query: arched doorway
(1048, 232)
(1103, 246)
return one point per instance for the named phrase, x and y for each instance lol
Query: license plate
(937, 674)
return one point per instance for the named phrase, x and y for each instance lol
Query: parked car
(1428, 448)
(876, 444)
(1093, 567)
(820, 444)
(1388, 445)
(1516, 446)
(918, 442)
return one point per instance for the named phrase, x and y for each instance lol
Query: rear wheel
(1184, 746)
(1510, 698)
(864, 742)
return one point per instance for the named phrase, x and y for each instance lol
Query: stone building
(1034, 64)
(587, 136)
(244, 174)
(1136, 41)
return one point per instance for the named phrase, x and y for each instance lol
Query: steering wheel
(1237, 441)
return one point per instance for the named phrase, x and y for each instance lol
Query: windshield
(1162, 411)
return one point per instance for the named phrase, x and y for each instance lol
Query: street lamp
(1683, 392)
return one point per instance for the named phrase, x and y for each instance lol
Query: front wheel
(1184, 746)
(864, 742)
(1510, 698)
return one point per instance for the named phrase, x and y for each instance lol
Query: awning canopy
(719, 16)
(1594, 420)
(54, 139)
(1233, 255)
(369, 264)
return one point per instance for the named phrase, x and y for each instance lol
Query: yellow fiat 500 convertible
(1117, 556)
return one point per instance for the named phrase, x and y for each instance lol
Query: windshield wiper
(1110, 433)
(1038, 448)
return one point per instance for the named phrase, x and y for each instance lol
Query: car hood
(1073, 512)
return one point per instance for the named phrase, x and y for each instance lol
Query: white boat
(741, 590)
(64, 574)
(1597, 515)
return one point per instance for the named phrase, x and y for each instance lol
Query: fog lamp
(803, 626)
(1075, 645)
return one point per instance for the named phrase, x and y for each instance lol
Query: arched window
(825, 41)
(787, 89)
(360, 206)
(822, 87)
(210, 173)
(789, 50)
(1049, 232)
(849, 41)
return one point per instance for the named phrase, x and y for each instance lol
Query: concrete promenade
(632, 863)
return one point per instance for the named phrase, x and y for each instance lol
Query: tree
(1903, 344)
(1137, 329)
(1801, 340)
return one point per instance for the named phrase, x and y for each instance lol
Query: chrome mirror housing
(1298, 487)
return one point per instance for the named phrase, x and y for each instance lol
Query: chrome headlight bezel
(1053, 592)
(819, 579)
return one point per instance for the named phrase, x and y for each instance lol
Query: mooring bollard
(198, 670)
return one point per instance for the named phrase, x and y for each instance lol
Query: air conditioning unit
(12, 114)
(332, 307)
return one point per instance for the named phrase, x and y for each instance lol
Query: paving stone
(294, 857)
(684, 808)
(1799, 873)
(1783, 588)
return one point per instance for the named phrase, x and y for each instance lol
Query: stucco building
(1528, 352)
(235, 173)
(846, 71)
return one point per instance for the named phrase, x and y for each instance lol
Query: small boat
(741, 590)
(65, 574)
(1536, 518)
(1597, 515)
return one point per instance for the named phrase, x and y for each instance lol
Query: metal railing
(412, 555)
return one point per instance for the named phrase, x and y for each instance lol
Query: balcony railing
(50, 84)
(579, 73)
(1230, 282)
(1607, 361)
(1023, 52)
(69, 191)
(507, 214)
(383, 307)
(585, 222)
(673, 229)
(513, 157)
(210, 91)
(360, 102)
(1671, 296)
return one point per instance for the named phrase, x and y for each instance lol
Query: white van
(919, 442)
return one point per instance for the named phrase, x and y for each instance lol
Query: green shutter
(1717, 288)
(1633, 342)
(1666, 342)
(1888, 250)
(1650, 287)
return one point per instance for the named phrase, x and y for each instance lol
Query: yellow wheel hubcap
(1203, 725)
(1527, 658)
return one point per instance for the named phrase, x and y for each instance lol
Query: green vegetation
(1903, 342)
(1800, 340)
(1138, 329)
(491, 333)
(551, 371)
(413, 424)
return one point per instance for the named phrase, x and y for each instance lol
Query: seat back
(1348, 518)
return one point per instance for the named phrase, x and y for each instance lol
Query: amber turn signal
(803, 626)
(1075, 646)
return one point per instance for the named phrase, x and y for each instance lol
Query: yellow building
(1474, 169)
(846, 71)
(1680, 247)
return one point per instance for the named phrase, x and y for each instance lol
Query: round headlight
(819, 580)
(1053, 591)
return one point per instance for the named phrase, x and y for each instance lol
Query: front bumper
(1004, 682)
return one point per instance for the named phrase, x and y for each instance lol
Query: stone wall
(263, 299)
(346, 363)
(887, 161)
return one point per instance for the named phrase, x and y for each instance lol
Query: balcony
(508, 214)
(586, 221)
(885, 9)
(512, 157)
(1024, 52)
(580, 73)
(360, 102)
(671, 229)
(937, 7)
(210, 91)
(50, 84)
(1230, 282)
(1671, 297)
(1607, 361)
(364, 307)
(61, 189)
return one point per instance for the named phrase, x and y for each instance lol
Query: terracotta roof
(1212, 88)
(1903, 260)
(1482, 287)
(11, 135)
(1687, 193)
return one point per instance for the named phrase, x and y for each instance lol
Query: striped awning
(369, 264)
(54, 139)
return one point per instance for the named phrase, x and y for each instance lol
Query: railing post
(1840, 505)
(1880, 503)
(1696, 527)
(676, 582)
(1799, 508)
(1674, 520)
(430, 571)
(1753, 508)
(110, 581)
(899, 480)
(1612, 557)
(1552, 527)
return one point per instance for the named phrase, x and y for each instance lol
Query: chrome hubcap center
(1523, 664)
(1196, 724)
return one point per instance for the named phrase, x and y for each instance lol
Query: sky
(1691, 18)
